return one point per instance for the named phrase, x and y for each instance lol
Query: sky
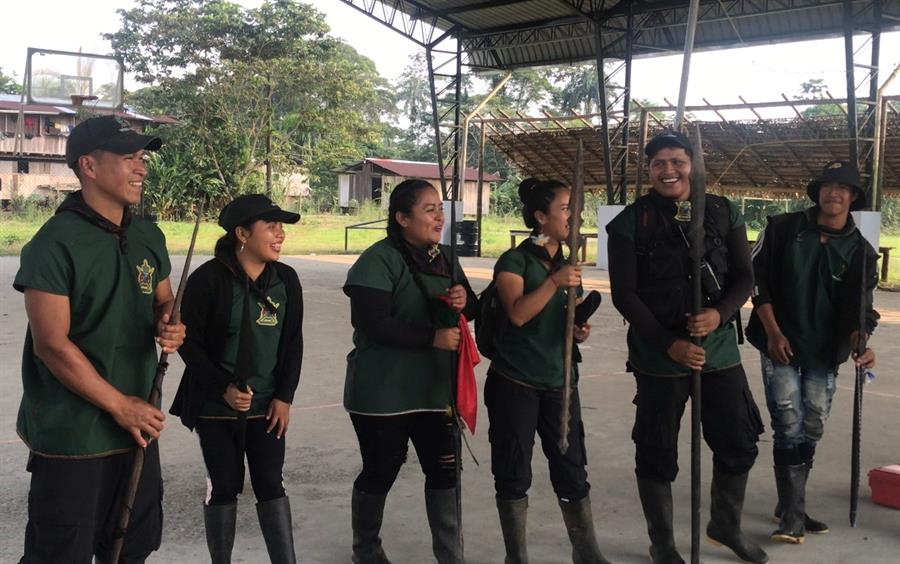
(759, 74)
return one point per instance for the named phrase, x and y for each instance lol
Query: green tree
(241, 80)
(816, 89)
(9, 84)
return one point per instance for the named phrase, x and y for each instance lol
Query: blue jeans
(799, 401)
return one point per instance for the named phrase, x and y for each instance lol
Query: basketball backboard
(63, 78)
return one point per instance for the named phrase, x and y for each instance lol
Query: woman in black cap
(405, 316)
(243, 352)
(524, 387)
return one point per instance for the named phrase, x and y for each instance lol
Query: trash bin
(467, 238)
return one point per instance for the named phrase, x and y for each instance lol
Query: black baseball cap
(109, 133)
(839, 172)
(253, 207)
(668, 139)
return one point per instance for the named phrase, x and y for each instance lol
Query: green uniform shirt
(817, 270)
(111, 306)
(383, 380)
(265, 327)
(720, 345)
(533, 353)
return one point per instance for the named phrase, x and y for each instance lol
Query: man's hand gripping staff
(170, 335)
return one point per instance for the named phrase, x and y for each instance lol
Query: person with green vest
(649, 274)
(98, 297)
(524, 387)
(242, 356)
(805, 323)
(399, 382)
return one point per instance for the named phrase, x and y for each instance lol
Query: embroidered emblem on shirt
(145, 277)
(268, 316)
(683, 211)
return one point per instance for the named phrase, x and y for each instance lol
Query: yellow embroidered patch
(268, 317)
(145, 277)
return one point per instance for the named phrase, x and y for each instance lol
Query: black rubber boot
(446, 541)
(513, 520)
(791, 484)
(367, 511)
(219, 521)
(656, 499)
(580, 525)
(725, 508)
(277, 529)
(811, 525)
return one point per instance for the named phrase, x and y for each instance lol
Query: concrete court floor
(322, 456)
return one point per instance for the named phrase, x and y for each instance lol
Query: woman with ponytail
(524, 387)
(398, 387)
(242, 355)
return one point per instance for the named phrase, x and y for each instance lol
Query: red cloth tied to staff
(466, 391)
(468, 358)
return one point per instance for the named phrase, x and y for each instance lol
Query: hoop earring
(242, 248)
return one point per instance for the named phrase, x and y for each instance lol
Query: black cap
(668, 139)
(109, 133)
(839, 172)
(253, 207)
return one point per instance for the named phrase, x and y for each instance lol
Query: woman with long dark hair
(524, 387)
(242, 355)
(405, 315)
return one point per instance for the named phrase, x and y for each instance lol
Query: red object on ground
(885, 484)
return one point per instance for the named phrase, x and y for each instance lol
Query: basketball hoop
(78, 100)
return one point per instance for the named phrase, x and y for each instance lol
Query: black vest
(663, 263)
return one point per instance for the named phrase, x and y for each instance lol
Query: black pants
(74, 506)
(515, 413)
(384, 442)
(225, 465)
(729, 417)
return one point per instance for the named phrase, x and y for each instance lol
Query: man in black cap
(649, 273)
(97, 295)
(805, 323)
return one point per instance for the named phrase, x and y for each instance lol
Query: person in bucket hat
(805, 322)
(843, 173)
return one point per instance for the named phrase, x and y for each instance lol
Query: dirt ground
(322, 455)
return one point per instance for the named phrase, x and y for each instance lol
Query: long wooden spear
(858, 392)
(137, 464)
(576, 204)
(696, 235)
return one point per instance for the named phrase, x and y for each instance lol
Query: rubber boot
(725, 508)
(219, 521)
(580, 525)
(810, 525)
(791, 484)
(513, 520)
(277, 529)
(446, 541)
(656, 499)
(367, 511)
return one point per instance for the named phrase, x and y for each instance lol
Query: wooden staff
(696, 236)
(858, 391)
(137, 464)
(576, 205)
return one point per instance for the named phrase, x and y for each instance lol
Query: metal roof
(763, 156)
(524, 33)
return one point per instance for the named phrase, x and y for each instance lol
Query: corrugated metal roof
(775, 155)
(541, 32)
